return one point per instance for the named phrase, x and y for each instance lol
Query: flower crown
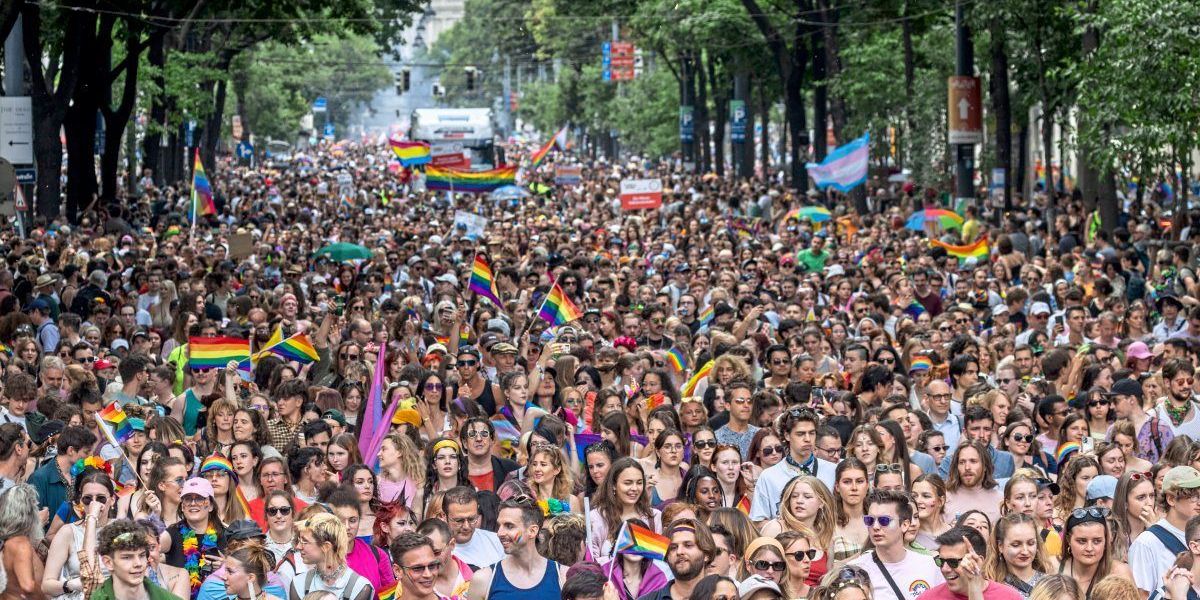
(94, 462)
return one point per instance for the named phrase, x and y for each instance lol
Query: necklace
(334, 575)
(195, 550)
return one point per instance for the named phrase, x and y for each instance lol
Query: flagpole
(112, 437)
(615, 557)
(539, 310)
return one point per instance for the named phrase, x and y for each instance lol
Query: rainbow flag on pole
(202, 196)
(483, 282)
(689, 388)
(411, 153)
(635, 539)
(706, 316)
(470, 182)
(559, 140)
(216, 352)
(978, 250)
(298, 348)
(114, 424)
(557, 309)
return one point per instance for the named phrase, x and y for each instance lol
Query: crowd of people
(752, 401)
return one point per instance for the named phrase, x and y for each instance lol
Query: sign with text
(470, 225)
(568, 174)
(737, 120)
(639, 194)
(455, 160)
(965, 116)
(687, 124)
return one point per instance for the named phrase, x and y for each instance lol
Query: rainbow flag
(464, 339)
(216, 352)
(114, 424)
(202, 196)
(389, 592)
(470, 182)
(635, 539)
(505, 430)
(122, 490)
(977, 250)
(298, 348)
(920, 363)
(241, 498)
(5, 349)
(655, 400)
(411, 153)
(559, 139)
(706, 316)
(483, 282)
(689, 388)
(1065, 450)
(678, 359)
(557, 309)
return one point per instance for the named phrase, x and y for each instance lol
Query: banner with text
(639, 194)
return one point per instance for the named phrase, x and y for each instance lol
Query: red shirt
(258, 510)
(484, 482)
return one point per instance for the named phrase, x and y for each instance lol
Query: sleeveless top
(348, 586)
(485, 398)
(191, 411)
(70, 568)
(502, 589)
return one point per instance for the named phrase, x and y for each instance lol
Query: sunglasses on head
(1090, 513)
(886, 468)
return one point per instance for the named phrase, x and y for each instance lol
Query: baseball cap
(336, 415)
(1102, 486)
(504, 348)
(137, 424)
(1182, 477)
(242, 529)
(1138, 350)
(1126, 387)
(755, 583)
(39, 304)
(999, 309)
(102, 364)
(197, 486)
(1039, 308)
(436, 347)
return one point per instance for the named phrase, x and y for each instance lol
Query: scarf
(194, 550)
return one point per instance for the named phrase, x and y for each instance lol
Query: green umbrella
(344, 252)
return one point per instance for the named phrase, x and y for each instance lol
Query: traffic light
(470, 73)
(403, 81)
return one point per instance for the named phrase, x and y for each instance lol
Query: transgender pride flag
(844, 168)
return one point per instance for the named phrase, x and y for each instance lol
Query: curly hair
(123, 535)
(560, 539)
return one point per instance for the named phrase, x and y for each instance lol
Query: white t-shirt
(769, 491)
(484, 549)
(1150, 559)
(914, 574)
(1189, 428)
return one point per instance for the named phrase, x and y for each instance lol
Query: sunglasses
(802, 555)
(771, 450)
(349, 355)
(481, 434)
(942, 448)
(1095, 403)
(275, 511)
(1094, 512)
(769, 565)
(1026, 438)
(433, 387)
(467, 363)
(886, 468)
(432, 567)
(884, 520)
(953, 562)
(704, 444)
(88, 499)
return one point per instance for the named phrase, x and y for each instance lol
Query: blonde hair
(826, 520)
(219, 406)
(564, 483)
(1115, 587)
(412, 462)
(327, 529)
(1054, 587)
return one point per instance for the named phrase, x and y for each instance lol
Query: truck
(453, 131)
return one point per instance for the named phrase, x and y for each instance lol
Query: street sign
(965, 116)
(638, 194)
(619, 61)
(244, 150)
(606, 61)
(687, 125)
(737, 120)
(16, 129)
(319, 104)
(19, 199)
(329, 130)
(26, 175)
(190, 134)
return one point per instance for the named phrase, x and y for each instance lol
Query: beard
(688, 571)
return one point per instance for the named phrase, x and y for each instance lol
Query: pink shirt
(993, 591)
(372, 563)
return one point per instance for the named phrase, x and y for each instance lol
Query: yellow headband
(445, 444)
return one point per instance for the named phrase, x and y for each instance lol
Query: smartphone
(339, 303)
(817, 396)
(1088, 445)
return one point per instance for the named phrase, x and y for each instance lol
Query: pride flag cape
(483, 282)
(216, 352)
(689, 388)
(411, 153)
(557, 309)
(978, 250)
(635, 539)
(559, 139)
(374, 421)
(471, 182)
(202, 196)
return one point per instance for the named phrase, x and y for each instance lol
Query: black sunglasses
(764, 565)
(953, 562)
(703, 444)
(275, 511)
(1026, 438)
(800, 555)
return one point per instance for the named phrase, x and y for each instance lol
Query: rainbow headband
(446, 444)
(94, 462)
(217, 462)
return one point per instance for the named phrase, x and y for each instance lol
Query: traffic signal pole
(964, 164)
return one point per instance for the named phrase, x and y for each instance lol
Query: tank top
(502, 588)
(70, 568)
(191, 412)
(486, 400)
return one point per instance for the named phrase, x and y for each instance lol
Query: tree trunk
(833, 68)
(764, 105)
(82, 116)
(51, 99)
(720, 95)
(820, 95)
(703, 129)
(213, 125)
(1047, 167)
(1002, 107)
(152, 143)
(117, 119)
(1022, 169)
(910, 70)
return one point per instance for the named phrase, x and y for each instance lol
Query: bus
(469, 132)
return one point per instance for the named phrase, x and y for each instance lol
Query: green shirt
(814, 262)
(105, 592)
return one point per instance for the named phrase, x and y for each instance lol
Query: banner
(456, 160)
(568, 174)
(845, 167)
(639, 194)
(472, 225)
